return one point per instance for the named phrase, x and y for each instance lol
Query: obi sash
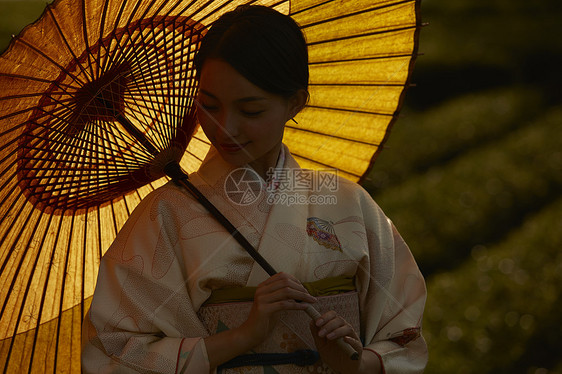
(290, 347)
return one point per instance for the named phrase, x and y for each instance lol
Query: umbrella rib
(324, 165)
(80, 157)
(65, 273)
(359, 59)
(101, 45)
(176, 5)
(367, 84)
(109, 57)
(63, 69)
(22, 96)
(331, 1)
(27, 77)
(100, 249)
(7, 157)
(282, 2)
(390, 5)
(184, 96)
(65, 107)
(202, 140)
(149, 7)
(86, 38)
(62, 86)
(9, 131)
(192, 154)
(124, 54)
(13, 203)
(58, 187)
(12, 250)
(84, 253)
(151, 57)
(134, 13)
(363, 35)
(170, 90)
(60, 134)
(117, 54)
(333, 136)
(192, 89)
(204, 6)
(68, 154)
(351, 110)
(61, 33)
(115, 226)
(170, 120)
(36, 333)
(44, 294)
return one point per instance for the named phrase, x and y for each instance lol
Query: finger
(325, 318)
(331, 326)
(284, 294)
(284, 288)
(279, 276)
(338, 332)
(286, 305)
(355, 343)
(281, 280)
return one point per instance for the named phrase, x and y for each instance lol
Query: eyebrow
(242, 100)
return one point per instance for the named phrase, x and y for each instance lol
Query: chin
(235, 160)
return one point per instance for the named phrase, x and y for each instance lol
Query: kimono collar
(214, 169)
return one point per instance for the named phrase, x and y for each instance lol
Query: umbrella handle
(174, 171)
(349, 350)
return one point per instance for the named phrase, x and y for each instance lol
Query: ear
(297, 102)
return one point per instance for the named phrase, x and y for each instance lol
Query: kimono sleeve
(141, 318)
(392, 297)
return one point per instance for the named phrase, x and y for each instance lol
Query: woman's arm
(275, 294)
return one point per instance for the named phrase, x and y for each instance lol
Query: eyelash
(252, 114)
(211, 108)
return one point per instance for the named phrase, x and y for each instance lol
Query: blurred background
(472, 178)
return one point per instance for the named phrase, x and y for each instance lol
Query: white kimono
(148, 313)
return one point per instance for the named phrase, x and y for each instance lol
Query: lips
(233, 147)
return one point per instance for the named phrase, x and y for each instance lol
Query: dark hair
(266, 47)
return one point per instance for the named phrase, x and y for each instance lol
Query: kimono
(156, 295)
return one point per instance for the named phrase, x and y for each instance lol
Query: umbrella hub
(102, 98)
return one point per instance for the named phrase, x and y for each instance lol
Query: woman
(176, 293)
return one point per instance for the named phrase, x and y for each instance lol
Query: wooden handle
(314, 314)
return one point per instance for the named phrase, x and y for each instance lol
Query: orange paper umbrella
(97, 96)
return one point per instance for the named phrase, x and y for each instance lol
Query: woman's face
(242, 121)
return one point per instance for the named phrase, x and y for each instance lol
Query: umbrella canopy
(96, 96)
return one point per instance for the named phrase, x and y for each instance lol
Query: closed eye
(250, 113)
(210, 108)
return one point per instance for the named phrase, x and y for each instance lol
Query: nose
(229, 125)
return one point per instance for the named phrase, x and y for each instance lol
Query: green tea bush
(478, 197)
(500, 311)
(435, 136)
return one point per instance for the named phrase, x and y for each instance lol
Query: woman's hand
(325, 330)
(279, 292)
